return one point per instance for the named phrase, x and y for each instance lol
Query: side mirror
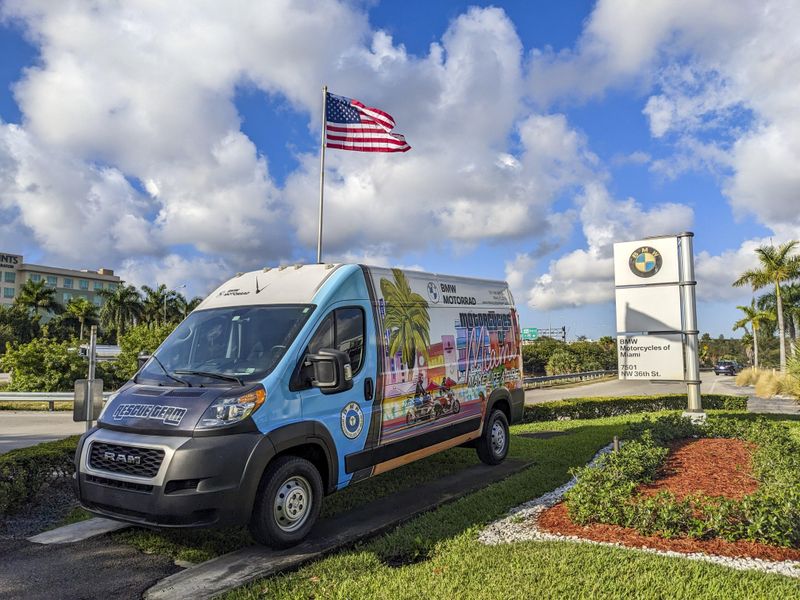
(332, 371)
(142, 360)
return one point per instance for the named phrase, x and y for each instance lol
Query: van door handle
(369, 388)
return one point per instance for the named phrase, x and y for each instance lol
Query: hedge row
(599, 407)
(24, 471)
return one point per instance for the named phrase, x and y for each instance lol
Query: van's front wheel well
(314, 454)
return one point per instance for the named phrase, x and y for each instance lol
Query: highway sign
(529, 334)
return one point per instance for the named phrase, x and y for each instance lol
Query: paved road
(712, 384)
(28, 428)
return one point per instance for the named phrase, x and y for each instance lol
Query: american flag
(352, 126)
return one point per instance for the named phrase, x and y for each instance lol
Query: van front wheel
(492, 446)
(288, 502)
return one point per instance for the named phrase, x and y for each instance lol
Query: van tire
(493, 444)
(292, 486)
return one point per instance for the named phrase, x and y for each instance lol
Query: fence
(566, 378)
(49, 397)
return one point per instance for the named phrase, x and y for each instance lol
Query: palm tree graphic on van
(406, 318)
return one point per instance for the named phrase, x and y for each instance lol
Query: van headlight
(228, 410)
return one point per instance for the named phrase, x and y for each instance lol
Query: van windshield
(241, 343)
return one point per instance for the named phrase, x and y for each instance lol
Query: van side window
(342, 329)
(350, 335)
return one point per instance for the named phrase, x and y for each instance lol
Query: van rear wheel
(492, 446)
(287, 503)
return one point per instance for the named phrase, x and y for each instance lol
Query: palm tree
(754, 317)
(407, 318)
(38, 297)
(790, 296)
(154, 302)
(122, 306)
(777, 266)
(83, 310)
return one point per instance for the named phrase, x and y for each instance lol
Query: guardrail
(566, 378)
(49, 397)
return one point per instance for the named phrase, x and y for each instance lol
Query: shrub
(606, 491)
(46, 365)
(595, 408)
(137, 340)
(746, 377)
(768, 384)
(24, 471)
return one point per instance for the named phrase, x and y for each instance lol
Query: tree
(16, 325)
(37, 297)
(563, 361)
(790, 296)
(139, 339)
(754, 317)
(155, 299)
(407, 318)
(778, 265)
(122, 307)
(84, 311)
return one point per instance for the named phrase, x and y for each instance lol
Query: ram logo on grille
(119, 457)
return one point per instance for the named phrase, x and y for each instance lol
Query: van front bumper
(198, 482)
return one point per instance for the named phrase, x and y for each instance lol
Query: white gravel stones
(521, 525)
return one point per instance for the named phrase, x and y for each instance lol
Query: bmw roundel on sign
(433, 292)
(352, 420)
(645, 261)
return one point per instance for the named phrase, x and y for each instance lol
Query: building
(68, 283)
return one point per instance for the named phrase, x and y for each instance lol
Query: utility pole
(91, 382)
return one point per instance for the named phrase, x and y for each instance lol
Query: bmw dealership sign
(656, 312)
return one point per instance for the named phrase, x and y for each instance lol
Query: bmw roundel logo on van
(433, 292)
(645, 261)
(352, 420)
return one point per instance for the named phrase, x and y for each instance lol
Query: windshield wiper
(212, 375)
(167, 373)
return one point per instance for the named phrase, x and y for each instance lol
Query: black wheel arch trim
(309, 432)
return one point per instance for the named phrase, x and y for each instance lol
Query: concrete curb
(241, 567)
(77, 532)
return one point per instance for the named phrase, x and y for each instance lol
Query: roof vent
(239, 274)
(282, 267)
(267, 269)
(329, 266)
(297, 266)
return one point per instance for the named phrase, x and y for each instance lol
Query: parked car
(726, 367)
(290, 383)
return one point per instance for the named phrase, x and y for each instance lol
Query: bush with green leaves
(142, 339)
(606, 492)
(43, 365)
(24, 471)
(600, 406)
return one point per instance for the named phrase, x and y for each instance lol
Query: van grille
(126, 460)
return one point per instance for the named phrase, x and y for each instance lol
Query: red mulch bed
(714, 467)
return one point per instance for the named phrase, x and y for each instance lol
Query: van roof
(297, 284)
(293, 284)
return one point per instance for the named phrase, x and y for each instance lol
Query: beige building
(68, 283)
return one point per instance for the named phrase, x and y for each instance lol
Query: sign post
(88, 400)
(657, 313)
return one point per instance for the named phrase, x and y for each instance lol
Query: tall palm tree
(407, 318)
(38, 297)
(122, 307)
(154, 302)
(83, 310)
(778, 265)
(754, 317)
(790, 296)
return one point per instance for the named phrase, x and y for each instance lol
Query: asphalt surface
(96, 568)
(712, 384)
(19, 429)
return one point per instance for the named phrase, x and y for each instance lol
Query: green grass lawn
(437, 555)
(38, 406)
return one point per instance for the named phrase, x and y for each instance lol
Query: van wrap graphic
(447, 344)
(168, 415)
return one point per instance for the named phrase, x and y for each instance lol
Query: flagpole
(321, 172)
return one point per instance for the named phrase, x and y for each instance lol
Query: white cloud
(586, 276)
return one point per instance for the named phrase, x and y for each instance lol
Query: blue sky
(179, 143)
